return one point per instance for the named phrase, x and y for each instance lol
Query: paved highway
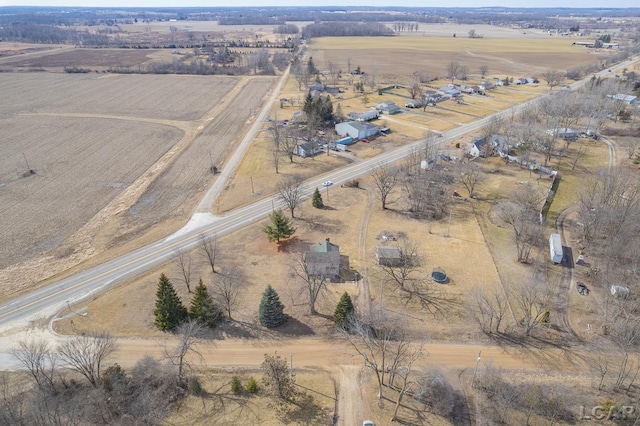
(47, 301)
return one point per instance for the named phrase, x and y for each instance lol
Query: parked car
(368, 423)
(363, 140)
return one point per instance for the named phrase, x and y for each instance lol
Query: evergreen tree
(169, 312)
(271, 311)
(325, 108)
(316, 199)
(343, 309)
(203, 308)
(339, 113)
(308, 104)
(311, 67)
(280, 227)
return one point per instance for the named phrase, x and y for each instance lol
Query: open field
(99, 146)
(87, 58)
(400, 56)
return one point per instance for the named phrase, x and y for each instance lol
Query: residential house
(564, 133)
(449, 92)
(388, 107)
(323, 260)
(479, 147)
(356, 130)
(308, 149)
(389, 255)
(319, 87)
(363, 116)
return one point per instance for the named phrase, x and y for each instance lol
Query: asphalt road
(47, 301)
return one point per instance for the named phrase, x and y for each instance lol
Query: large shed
(356, 130)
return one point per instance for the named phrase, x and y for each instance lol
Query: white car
(368, 423)
(327, 183)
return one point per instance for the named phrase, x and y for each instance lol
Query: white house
(356, 130)
(478, 147)
(308, 149)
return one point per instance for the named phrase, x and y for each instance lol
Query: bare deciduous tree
(85, 354)
(188, 331)
(402, 365)
(373, 338)
(226, 290)
(290, 191)
(314, 283)
(276, 140)
(470, 176)
(535, 299)
(489, 310)
(453, 70)
(528, 233)
(553, 78)
(385, 179)
(415, 90)
(183, 262)
(484, 69)
(38, 358)
(209, 245)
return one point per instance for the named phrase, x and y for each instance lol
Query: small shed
(389, 255)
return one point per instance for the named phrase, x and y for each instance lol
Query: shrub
(195, 388)
(252, 385)
(236, 385)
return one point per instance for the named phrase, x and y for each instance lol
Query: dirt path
(350, 401)
(568, 283)
(363, 301)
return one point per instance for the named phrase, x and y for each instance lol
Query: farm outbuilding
(356, 130)
(389, 255)
(555, 248)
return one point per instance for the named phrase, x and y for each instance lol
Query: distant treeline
(337, 29)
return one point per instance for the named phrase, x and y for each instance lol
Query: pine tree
(311, 67)
(280, 227)
(316, 199)
(203, 308)
(169, 312)
(343, 309)
(271, 311)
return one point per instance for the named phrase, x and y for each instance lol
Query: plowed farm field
(89, 161)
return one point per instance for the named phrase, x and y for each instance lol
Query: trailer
(555, 248)
(345, 141)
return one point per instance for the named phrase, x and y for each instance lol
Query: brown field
(86, 58)
(400, 56)
(100, 145)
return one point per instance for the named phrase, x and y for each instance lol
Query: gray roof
(324, 247)
(388, 252)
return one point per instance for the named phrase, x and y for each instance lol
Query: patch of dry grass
(219, 406)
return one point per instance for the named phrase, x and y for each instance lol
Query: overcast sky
(377, 3)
